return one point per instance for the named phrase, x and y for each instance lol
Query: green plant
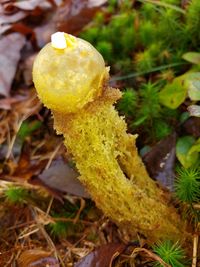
(171, 253)
(169, 26)
(108, 42)
(187, 186)
(193, 21)
(128, 102)
(60, 229)
(161, 129)
(149, 106)
(16, 195)
(144, 61)
(63, 224)
(27, 128)
(147, 32)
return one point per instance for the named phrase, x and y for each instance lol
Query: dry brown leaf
(32, 4)
(94, 3)
(10, 47)
(73, 17)
(4, 28)
(102, 256)
(62, 177)
(70, 16)
(37, 258)
(160, 161)
(6, 19)
(192, 127)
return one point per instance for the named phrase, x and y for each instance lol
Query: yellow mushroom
(71, 79)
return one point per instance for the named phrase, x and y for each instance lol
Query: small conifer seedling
(171, 253)
(188, 185)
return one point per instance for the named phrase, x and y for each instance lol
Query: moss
(16, 195)
(147, 33)
(128, 102)
(193, 21)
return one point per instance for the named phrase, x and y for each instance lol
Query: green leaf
(174, 94)
(27, 128)
(192, 57)
(195, 148)
(187, 155)
(192, 82)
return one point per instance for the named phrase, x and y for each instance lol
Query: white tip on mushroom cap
(58, 40)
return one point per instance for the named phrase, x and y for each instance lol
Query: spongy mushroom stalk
(72, 82)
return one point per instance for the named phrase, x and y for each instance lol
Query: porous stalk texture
(113, 172)
(72, 82)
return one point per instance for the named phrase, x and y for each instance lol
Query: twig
(195, 249)
(82, 206)
(12, 141)
(151, 255)
(49, 206)
(53, 154)
(136, 74)
(47, 237)
(159, 3)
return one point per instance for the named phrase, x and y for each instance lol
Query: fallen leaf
(5, 19)
(28, 5)
(192, 126)
(102, 256)
(26, 68)
(194, 110)
(193, 85)
(4, 28)
(70, 16)
(62, 177)
(6, 103)
(94, 3)
(37, 258)
(32, 4)
(160, 161)
(26, 168)
(76, 15)
(27, 31)
(10, 47)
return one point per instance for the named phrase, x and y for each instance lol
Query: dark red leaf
(69, 17)
(192, 127)
(62, 177)
(5, 19)
(102, 256)
(10, 47)
(160, 161)
(26, 67)
(37, 258)
(30, 5)
(27, 31)
(4, 28)
(6, 103)
(73, 17)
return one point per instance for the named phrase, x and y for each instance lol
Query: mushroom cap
(67, 79)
